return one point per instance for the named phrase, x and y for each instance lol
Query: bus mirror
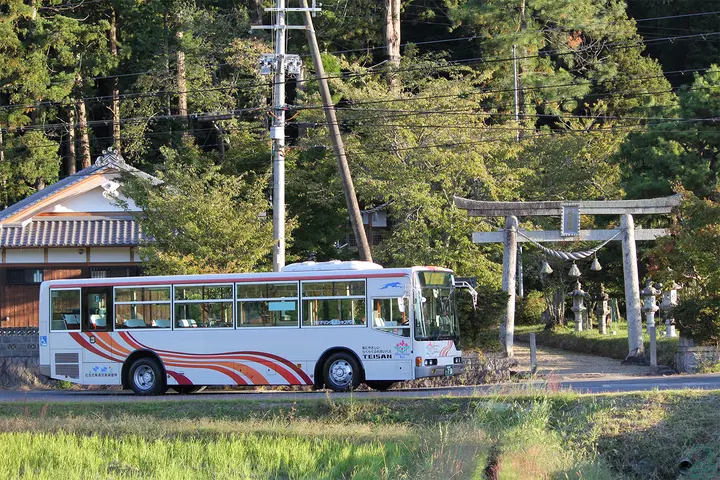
(401, 304)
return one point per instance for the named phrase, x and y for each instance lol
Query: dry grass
(534, 434)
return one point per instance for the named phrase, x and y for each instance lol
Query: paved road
(604, 385)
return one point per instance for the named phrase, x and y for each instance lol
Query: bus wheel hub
(341, 372)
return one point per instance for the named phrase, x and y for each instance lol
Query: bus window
(203, 306)
(390, 315)
(97, 308)
(333, 303)
(65, 309)
(267, 305)
(142, 307)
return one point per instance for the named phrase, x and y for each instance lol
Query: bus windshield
(435, 316)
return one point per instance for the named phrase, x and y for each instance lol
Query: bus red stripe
(179, 377)
(213, 356)
(85, 344)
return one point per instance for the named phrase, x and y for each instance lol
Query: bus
(321, 324)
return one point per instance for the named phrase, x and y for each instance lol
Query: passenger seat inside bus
(98, 321)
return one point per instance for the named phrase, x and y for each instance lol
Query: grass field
(533, 435)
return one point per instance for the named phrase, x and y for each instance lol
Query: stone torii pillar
(507, 329)
(569, 213)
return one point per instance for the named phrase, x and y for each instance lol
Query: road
(603, 385)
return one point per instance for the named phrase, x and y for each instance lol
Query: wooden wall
(20, 303)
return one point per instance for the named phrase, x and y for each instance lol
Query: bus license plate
(448, 370)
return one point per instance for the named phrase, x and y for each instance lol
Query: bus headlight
(457, 360)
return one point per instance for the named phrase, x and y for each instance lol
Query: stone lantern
(650, 308)
(578, 308)
(669, 301)
(602, 309)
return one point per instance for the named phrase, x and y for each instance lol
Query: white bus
(331, 324)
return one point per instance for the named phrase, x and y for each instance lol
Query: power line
(668, 17)
(469, 61)
(460, 62)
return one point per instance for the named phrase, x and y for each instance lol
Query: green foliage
(690, 256)
(201, 220)
(529, 309)
(580, 66)
(31, 160)
(684, 152)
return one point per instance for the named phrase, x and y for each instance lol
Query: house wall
(19, 303)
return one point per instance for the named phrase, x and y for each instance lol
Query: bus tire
(146, 377)
(341, 372)
(187, 389)
(380, 385)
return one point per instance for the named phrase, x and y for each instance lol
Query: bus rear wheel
(341, 372)
(380, 385)
(146, 377)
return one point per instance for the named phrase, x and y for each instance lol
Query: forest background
(616, 100)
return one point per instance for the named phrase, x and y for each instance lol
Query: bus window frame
(109, 292)
(363, 297)
(185, 302)
(296, 298)
(163, 302)
(77, 289)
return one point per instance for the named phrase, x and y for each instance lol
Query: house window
(112, 272)
(24, 276)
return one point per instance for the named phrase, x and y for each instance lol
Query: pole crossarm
(555, 236)
(480, 208)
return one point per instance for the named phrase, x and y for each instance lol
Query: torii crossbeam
(570, 213)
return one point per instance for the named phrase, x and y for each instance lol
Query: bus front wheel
(146, 377)
(341, 372)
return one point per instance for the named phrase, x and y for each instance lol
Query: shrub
(530, 309)
(699, 319)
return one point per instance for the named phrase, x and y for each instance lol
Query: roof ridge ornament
(110, 156)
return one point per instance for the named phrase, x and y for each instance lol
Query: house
(71, 229)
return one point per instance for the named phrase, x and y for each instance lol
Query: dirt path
(574, 365)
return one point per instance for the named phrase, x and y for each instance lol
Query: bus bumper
(45, 370)
(439, 370)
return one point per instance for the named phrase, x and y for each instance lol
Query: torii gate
(570, 213)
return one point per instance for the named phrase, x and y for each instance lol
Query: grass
(528, 435)
(591, 342)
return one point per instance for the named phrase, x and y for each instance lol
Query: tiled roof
(71, 233)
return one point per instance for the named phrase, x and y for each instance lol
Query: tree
(573, 56)
(684, 151)
(415, 162)
(200, 220)
(690, 256)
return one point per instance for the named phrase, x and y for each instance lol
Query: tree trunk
(256, 12)
(85, 158)
(182, 84)
(392, 38)
(70, 159)
(3, 182)
(115, 91)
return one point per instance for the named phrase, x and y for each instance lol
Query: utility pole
(515, 91)
(278, 62)
(338, 146)
(277, 133)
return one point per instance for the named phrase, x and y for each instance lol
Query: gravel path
(574, 365)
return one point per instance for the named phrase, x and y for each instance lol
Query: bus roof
(353, 269)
